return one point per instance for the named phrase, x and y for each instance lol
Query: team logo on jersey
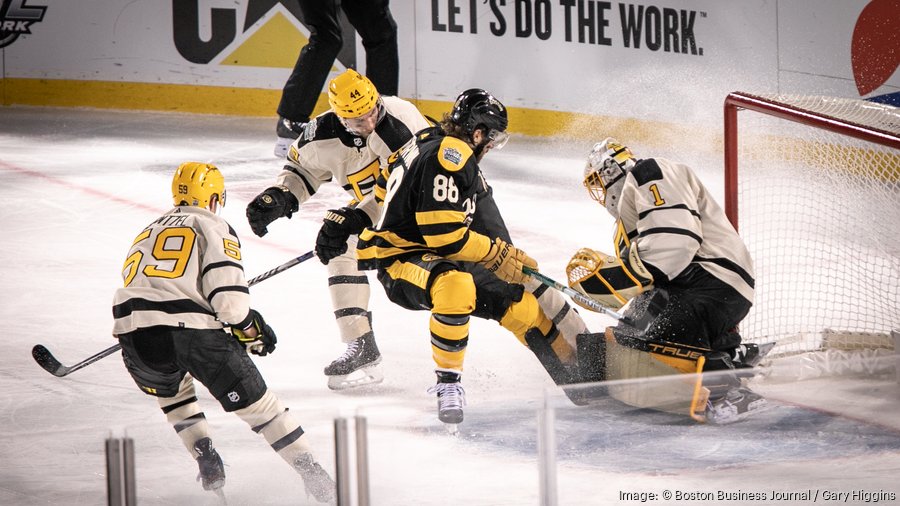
(233, 396)
(16, 19)
(452, 155)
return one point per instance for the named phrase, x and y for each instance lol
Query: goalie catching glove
(257, 336)
(338, 226)
(268, 206)
(609, 280)
(506, 262)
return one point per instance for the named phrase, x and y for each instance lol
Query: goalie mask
(196, 184)
(604, 173)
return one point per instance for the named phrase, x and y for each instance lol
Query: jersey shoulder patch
(645, 171)
(453, 154)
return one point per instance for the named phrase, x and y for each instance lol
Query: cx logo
(224, 28)
(16, 19)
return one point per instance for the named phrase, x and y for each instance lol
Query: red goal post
(813, 185)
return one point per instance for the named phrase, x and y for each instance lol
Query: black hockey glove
(339, 225)
(268, 206)
(264, 342)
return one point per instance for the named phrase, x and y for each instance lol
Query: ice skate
(286, 131)
(316, 480)
(212, 470)
(451, 398)
(359, 365)
(737, 404)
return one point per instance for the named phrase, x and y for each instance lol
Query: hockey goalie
(685, 280)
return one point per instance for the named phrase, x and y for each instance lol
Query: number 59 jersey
(183, 270)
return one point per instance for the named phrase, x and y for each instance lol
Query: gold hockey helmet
(195, 184)
(606, 166)
(352, 95)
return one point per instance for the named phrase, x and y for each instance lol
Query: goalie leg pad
(679, 395)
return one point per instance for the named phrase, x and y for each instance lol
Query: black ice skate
(737, 404)
(212, 470)
(357, 366)
(287, 131)
(316, 480)
(451, 398)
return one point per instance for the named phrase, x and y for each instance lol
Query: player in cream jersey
(183, 286)
(347, 145)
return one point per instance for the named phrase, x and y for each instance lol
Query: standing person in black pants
(373, 21)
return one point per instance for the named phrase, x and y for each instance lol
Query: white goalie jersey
(327, 151)
(674, 221)
(183, 270)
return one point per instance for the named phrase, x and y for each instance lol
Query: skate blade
(756, 407)
(220, 493)
(452, 428)
(365, 376)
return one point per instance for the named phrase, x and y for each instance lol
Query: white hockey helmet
(604, 173)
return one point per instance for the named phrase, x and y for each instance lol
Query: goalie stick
(584, 300)
(49, 363)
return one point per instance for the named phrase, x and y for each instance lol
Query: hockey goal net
(813, 186)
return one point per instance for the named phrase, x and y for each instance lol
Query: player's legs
(302, 89)
(376, 27)
(349, 288)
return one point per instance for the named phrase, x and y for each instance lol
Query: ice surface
(76, 186)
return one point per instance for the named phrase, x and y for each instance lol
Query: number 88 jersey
(429, 196)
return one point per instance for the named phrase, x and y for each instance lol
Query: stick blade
(47, 361)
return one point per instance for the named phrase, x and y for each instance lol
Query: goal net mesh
(820, 212)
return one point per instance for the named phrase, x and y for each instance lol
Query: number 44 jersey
(183, 270)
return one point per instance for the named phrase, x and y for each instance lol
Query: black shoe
(451, 398)
(212, 470)
(287, 131)
(357, 366)
(316, 480)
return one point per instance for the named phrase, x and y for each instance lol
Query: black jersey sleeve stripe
(672, 230)
(309, 188)
(644, 214)
(731, 266)
(218, 265)
(393, 132)
(229, 288)
(169, 306)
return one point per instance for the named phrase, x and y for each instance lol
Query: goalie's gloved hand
(338, 226)
(257, 335)
(268, 206)
(506, 262)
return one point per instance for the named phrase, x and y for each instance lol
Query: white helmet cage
(604, 173)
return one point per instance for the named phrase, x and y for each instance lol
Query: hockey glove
(506, 262)
(609, 280)
(338, 226)
(257, 336)
(268, 206)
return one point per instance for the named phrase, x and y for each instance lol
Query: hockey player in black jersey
(184, 313)
(433, 252)
(675, 244)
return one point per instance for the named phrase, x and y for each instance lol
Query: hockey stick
(581, 298)
(46, 360)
